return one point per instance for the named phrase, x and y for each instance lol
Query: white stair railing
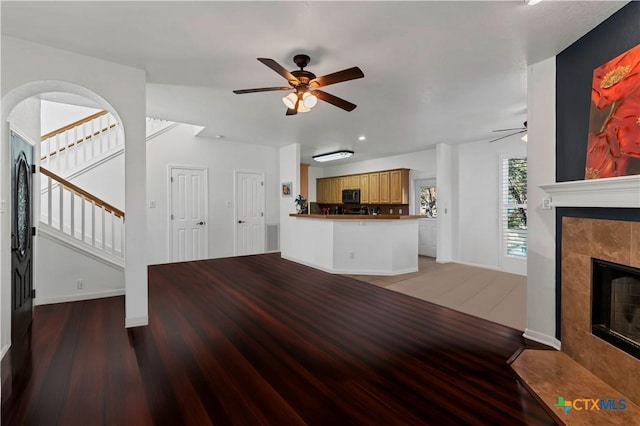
(80, 215)
(80, 142)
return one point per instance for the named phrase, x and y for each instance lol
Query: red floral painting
(614, 124)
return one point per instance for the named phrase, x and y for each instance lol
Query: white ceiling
(434, 71)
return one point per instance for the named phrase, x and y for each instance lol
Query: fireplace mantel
(621, 191)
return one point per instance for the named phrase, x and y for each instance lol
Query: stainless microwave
(351, 196)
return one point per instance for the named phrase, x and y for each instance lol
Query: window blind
(514, 207)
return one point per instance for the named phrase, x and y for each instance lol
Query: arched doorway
(21, 121)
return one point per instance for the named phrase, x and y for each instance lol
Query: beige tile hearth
(635, 245)
(552, 374)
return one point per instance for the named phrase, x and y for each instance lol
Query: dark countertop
(357, 216)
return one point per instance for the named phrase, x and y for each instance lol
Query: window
(514, 207)
(427, 198)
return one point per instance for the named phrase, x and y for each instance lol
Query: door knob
(200, 223)
(241, 221)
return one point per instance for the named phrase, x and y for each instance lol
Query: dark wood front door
(21, 239)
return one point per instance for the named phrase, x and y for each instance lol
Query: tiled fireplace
(616, 241)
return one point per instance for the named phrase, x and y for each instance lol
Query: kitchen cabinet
(383, 187)
(321, 191)
(364, 189)
(352, 182)
(336, 190)
(399, 186)
(385, 197)
(374, 188)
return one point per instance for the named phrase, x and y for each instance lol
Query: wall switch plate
(152, 204)
(80, 283)
(351, 255)
(228, 203)
(546, 203)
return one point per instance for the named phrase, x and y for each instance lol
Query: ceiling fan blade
(334, 100)
(280, 70)
(507, 130)
(262, 89)
(506, 136)
(337, 77)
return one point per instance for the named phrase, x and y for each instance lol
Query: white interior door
(188, 213)
(249, 213)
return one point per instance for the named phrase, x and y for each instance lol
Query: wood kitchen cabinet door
(399, 186)
(321, 195)
(364, 189)
(336, 190)
(353, 182)
(374, 188)
(385, 196)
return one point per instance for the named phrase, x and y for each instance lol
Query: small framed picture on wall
(286, 189)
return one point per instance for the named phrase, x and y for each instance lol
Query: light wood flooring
(492, 295)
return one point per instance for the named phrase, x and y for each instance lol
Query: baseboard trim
(78, 297)
(136, 322)
(5, 349)
(351, 271)
(545, 339)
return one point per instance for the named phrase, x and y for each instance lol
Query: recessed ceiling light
(532, 2)
(219, 136)
(361, 138)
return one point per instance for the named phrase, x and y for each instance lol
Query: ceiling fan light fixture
(302, 107)
(336, 155)
(290, 100)
(309, 100)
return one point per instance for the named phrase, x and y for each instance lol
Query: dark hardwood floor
(260, 340)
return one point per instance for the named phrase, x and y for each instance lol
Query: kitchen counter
(358, 216)
(352, 243)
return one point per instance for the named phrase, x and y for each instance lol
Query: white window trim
(501, 217)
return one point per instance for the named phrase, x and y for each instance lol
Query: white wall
(289, 172)
(423, 163)
(179, 146)
(478, 203)
(59, 268)
(106, 181)
(29, 69)
(56, 115)
(541, 280)
(25, 119)
(446, 181)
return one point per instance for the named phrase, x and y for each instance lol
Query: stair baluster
(107, 229)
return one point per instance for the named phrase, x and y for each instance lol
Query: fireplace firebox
(615, 314)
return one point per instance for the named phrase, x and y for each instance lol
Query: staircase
(70, 215)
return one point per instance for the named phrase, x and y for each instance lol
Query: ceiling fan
(306, 85)
(515, 132)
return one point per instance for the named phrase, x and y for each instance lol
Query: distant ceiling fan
(306, 85)
(515, 132)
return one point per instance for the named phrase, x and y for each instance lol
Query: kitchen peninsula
(355, 244)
